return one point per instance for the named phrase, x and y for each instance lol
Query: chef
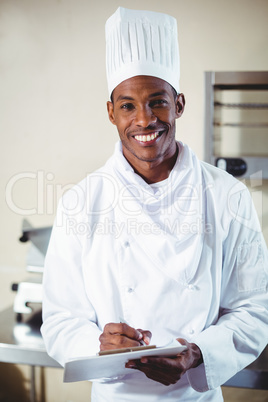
(155, 238)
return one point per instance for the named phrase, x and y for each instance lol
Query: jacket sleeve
(240, 334)
(69, 325)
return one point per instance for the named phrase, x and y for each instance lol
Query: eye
(127, 106)
(158, 102)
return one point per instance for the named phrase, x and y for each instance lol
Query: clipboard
(112, 364)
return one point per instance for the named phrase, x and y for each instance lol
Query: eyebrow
(155, 94)
(122, 97)
(159, 93)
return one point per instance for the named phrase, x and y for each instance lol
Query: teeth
(146, 138)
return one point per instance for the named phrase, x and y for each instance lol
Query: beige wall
(53, 94)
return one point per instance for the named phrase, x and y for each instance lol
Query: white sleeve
(69, 321)
(240, 334)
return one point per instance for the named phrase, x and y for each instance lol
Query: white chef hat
(141, 43)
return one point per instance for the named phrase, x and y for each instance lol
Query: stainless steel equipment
(236, 122)
(29, 293)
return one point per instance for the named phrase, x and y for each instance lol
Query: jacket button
(130, 290)
(126, 244)
(191, 287)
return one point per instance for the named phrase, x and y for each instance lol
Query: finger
(117, 336)
(117, 341)
(162, 362)
(123, 329)
(146, 336)
(165, 377)
(131, 364)
(183, 342)
(170, 369)
(193, 355)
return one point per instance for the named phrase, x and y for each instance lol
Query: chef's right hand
(118, 336)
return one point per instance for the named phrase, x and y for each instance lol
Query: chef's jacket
(182, 258)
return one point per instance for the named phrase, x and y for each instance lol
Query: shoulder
(217, 175)
(220, 181)
(229, 195)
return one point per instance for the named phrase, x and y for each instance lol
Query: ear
(110, 109)
(180, 104)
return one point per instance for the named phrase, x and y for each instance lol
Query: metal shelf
(251, 115)
(245, 125)
(242, 105)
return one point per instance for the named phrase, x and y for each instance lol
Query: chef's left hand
(168, 370)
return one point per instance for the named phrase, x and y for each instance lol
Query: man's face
(144, 109)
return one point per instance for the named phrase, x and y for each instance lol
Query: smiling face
(144, 109)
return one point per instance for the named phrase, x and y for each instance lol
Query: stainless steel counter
(21, 342)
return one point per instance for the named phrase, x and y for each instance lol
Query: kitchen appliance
(236, 122)
(29, 293)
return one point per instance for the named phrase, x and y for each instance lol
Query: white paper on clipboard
(113, 365)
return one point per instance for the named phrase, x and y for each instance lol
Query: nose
(144, 116)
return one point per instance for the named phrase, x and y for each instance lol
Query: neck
(154, 171)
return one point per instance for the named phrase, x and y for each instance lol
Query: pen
(122, 321)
